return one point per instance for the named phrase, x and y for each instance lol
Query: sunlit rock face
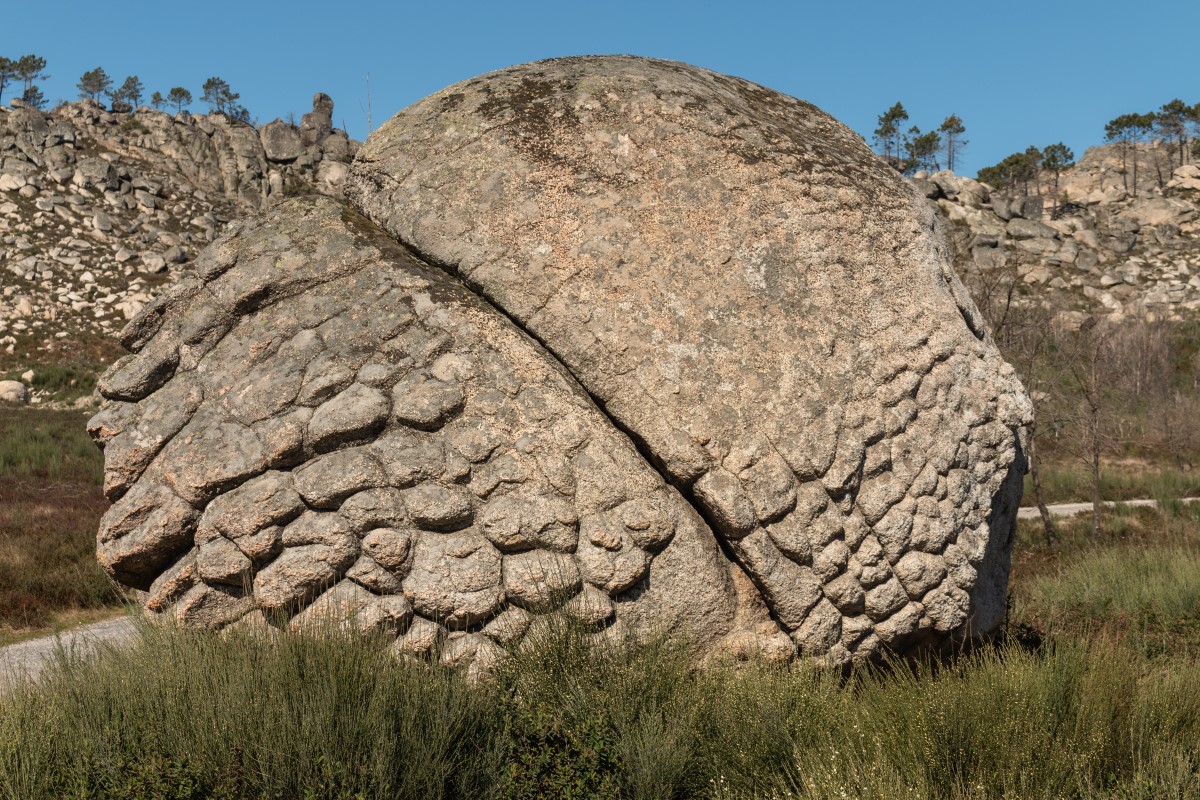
(617, 337)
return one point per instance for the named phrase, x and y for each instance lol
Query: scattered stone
(91, 195)
(14, 392)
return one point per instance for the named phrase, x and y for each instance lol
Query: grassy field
(1070, 482)
(1140, 586)
(62, 369)
(50, 507)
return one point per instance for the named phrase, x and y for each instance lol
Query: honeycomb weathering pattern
(707, 367)
(329, 423)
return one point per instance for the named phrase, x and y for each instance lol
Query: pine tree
(1141, 124)
(1033, 167)
(1057, 158)
(993, 176)
(238, 112)
(130, 92)
(952, 130)
(887, 135)
(1018, 168)
(179, 97)
(8, 71)
(1129, 130)
(93, 83)
(34, 97)
(1171, 124)
(29, 69)
(1122, 130)
(218, 95)
(921, 150)
(157, 101)
(1194, 124)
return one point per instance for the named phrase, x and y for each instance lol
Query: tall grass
(1140, 583)
(48, 445)
(67, 381)
(188, 715)
(1072, 483)
(50, 508)
(1163, 582)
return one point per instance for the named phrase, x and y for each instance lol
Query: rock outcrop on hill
(621, 337)
(1101, 248)
(98, 208)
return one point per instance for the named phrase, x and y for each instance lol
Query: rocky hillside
(98, 209)
(1101, 249)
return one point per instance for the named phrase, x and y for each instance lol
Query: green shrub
(552, 756)
(133, 124)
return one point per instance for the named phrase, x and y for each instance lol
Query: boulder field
(607, 336)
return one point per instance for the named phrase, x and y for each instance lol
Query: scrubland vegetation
(190, 715)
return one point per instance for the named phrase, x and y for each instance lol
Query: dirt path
(26, 660)
(1071, 509)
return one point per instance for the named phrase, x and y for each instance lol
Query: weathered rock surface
(1119, 241)
(281, 142)
(318, 123)
(13, 392)
(445, 469)
(758, 300)
(804, 441)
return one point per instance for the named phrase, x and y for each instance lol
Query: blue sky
(1017, 72)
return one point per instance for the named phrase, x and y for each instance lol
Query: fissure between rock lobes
(684, 488)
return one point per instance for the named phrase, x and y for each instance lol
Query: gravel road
(26, 660)
(1071, 509)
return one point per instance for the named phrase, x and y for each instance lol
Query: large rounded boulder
(621, 337)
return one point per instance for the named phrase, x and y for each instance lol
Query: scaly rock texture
(764, 306)
(319, 423)
(707, 366)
